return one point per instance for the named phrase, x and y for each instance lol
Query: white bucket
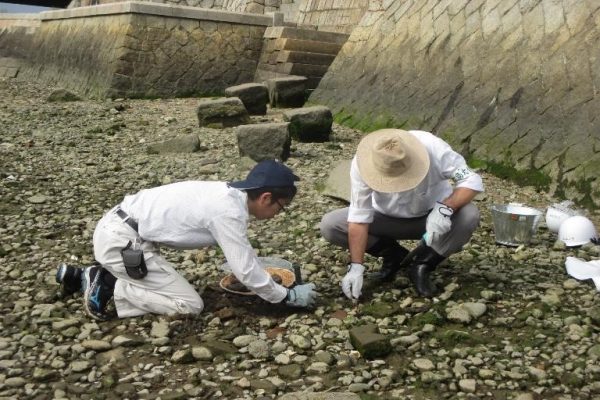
(514, 224)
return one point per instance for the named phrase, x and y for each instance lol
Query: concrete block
(255, 96)
(264, 141)
(369, 343)
(287, 91)
(310, 124)
(222, 112)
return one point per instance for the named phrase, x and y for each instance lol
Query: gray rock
(255, 96)
(183, 356)
(300, 341)
(244, 340)
(369, 343)
(160, 329)
(287, 92)
(179, 144)
(291, 371)
(264, 141)
(222, 112)
(337, 184)
(310, 124)
(467, 385)
(97, 345)
(259, 349)
(202, 353)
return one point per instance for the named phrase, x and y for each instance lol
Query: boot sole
(89, 287)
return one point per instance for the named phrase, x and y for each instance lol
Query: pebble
(519, 321)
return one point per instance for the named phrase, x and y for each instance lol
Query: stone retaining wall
(512, 83)
(326, 15)
(140, 49)
(16, 35)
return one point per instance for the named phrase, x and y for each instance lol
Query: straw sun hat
(392, 160)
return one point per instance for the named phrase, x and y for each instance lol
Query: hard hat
(577, 230)
(556, 214)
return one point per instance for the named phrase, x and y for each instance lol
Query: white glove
(353, 281)
(438, 223)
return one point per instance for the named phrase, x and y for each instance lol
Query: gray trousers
(334, 228)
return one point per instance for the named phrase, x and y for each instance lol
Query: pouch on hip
(133, 258)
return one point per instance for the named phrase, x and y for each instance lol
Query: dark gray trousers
(334, 228)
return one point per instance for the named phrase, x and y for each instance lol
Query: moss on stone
(379, 309)
(526, 177)
(430, 317)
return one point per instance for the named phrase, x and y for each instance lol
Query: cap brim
(386, 184)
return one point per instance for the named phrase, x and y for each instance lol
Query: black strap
(127, 219)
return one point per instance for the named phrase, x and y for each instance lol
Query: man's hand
(302, 296)
(353, 281)
(438, 223)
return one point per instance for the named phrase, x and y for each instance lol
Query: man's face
(264, 207)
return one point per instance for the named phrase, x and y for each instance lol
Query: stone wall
(16, 33)
(326, 15)
(332, 15)
(140, 50)
(510, 82)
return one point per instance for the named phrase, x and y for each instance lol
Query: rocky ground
(510, 323)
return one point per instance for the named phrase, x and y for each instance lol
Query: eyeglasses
(281, 207)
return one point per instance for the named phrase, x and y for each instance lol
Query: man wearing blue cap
(184, 215)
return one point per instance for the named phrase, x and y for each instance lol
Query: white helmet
(556, 214)
(577, 230)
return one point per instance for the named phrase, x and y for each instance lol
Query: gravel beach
(508, 324)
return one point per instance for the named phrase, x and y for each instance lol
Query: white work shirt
(444, 164)
(194, 214)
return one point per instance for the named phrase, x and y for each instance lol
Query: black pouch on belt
(133, 258)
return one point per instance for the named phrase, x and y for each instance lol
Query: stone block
(287, 91)
(222, 112)
(369, 343)
(255, 96)
(264, 141)
(180, 144)
(310, 124)
(304, 57)
(337, 184)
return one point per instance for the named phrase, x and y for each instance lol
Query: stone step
(296, 69)
(309, 46)
(276, 32)
(304, 57)
(266, 72)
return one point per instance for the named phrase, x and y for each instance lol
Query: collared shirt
(194, 214)
(445, 164)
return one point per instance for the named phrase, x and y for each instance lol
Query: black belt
(127, 219)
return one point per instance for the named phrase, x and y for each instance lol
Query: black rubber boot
(392, 253)
(424, 263)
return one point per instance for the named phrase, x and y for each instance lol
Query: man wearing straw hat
(400, 190)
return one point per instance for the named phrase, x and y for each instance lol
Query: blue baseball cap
(267, 173)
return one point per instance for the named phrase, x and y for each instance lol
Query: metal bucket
(514, 224)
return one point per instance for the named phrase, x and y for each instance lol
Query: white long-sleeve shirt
(444, 164)
(194, 214)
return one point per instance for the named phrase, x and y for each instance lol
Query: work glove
(353, 281)
(438, 223)
(302, 296)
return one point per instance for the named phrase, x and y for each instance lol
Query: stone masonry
(511, 82)
(325, 15)
(140, 50)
